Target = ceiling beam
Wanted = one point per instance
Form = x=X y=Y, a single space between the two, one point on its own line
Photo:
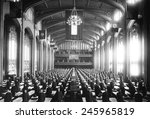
x=57 y=31
x=92 y=22
x=54 y=23
x=88 y=41
x=61 y=32
x=42 y=16
x=88 y=38
x=93 y=31
x=91 y=34
x=59 y=35
x=114 y=4
x=55 y=28
x=58 y=39
x=30 y=4
x=97 y=14
x=50 y=12
x=89 y=24
x=92 y=27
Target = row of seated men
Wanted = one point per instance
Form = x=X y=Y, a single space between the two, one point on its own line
x=42 y=84
x=107 y=83
x=87 y=84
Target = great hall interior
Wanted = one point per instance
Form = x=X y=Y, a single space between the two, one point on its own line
x=74 y=51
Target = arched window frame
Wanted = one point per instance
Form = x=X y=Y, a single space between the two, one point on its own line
x=12 y=51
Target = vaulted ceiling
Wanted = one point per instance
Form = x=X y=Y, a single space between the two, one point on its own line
x=95 y=15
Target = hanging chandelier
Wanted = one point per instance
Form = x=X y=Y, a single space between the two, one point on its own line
x=74 y=19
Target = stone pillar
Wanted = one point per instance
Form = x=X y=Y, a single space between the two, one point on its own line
x=46 y=63
x=98 y=55
x=125 y=72
x=106 y=48
x=101 y=57
x=114 y=54
x=1 y=40
x=41 y=56
x=33 y=55
x=52 y=59
x=95 y=59
x=146 y=36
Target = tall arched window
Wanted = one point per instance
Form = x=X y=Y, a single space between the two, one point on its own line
x=27 y=53
x=120 y=56
x=12 y=51
x=135 y=54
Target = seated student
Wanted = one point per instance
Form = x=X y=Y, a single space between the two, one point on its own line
x=102 y=86
x=8 y=96
x=89 y=96
x=25 y=87
x=48 y=91
x=37 y=89
x=84 y=89
x=17 y=83
x=105 y=97
x=13 y=90
x=67 y=96
x=138 y=97
x=8 y=85
x=56 y=97
x=142 y=88
x=119 y=96
x=92 y=85
x=110 y=91
x=122 y=89
x=44 y=85
x=79 y=97
x=41 y=97
x=62 y=89
x=25 y=96
x=54 y=84
x=131 y=89
x=97 y=90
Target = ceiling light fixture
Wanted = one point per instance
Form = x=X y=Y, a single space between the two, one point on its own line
x=74 y=20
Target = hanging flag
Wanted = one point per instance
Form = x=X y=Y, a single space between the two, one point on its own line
x=42 y=34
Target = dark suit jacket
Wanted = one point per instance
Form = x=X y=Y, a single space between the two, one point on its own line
x=8 y=97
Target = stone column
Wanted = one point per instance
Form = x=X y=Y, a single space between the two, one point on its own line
x=95 y=58
x=146 y=36
x=1 y=41
x=41 y=56
x=33 y=55
x=106 y=48
x=98 y=55
x=114 y=54
x=46 y=63
x=53 y=58
x=101 y=57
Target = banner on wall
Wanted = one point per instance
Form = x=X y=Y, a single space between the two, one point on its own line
x=42 y=34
